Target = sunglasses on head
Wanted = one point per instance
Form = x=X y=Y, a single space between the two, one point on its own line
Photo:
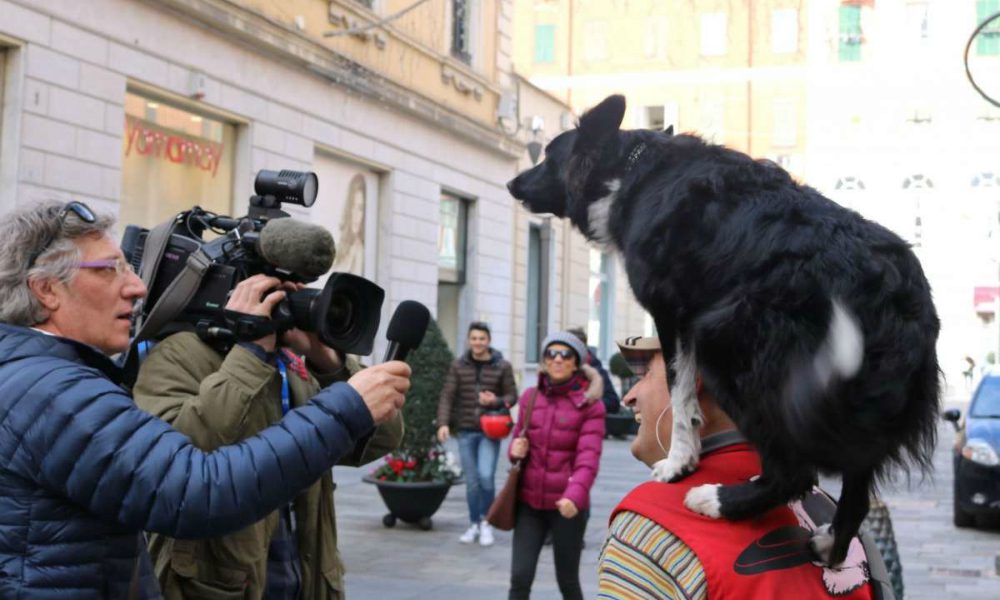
x=552 y=353
x=82 y=212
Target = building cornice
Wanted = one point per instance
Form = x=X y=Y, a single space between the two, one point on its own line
x=275 y=40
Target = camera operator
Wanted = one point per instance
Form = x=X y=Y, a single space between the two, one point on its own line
x=83 y=470
x=219 y=399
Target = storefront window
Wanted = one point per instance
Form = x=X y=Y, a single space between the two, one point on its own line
x=601 y=302
x=173 y=159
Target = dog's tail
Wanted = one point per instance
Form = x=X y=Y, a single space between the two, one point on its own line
x=837 y=360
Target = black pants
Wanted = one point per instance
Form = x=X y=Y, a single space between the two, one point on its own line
x=530 y=527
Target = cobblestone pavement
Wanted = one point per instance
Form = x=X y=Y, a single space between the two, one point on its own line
x=939 y=561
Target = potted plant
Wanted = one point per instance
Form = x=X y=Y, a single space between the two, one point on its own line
x=621 y=423
x=414 y=480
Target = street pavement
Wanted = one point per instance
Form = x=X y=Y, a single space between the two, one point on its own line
x=402 y=563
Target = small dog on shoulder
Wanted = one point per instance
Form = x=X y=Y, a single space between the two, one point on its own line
x=812 y=327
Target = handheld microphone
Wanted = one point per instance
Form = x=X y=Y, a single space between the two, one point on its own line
x=302 y=248
x=406 y=329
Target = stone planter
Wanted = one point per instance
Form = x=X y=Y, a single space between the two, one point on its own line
x=620 y=424
x=413 y=502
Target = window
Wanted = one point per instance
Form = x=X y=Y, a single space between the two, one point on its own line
x=986 y=179
x=654 y=117
x=713 y=34
x=452 y=238
x=654 y=43
x=452 y=251
x=596 y=34
x=784 y=31
x=916 y=23
x=988 y=40
x=657 y=117
x=602 y=301
x=536 y=319
x=850 y=33
x=849 y=182
x=174 y=158
x=713 y=119
x=916 y=183
x=785 y=120
x=461 y=34
x=545 y=44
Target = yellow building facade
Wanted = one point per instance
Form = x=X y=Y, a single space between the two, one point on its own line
x=730 y=70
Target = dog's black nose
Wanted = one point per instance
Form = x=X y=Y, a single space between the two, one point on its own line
x=512 y=187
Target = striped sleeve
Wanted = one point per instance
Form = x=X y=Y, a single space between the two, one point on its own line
x=641 y=559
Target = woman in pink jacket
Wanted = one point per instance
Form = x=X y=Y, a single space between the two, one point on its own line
x=561 y=455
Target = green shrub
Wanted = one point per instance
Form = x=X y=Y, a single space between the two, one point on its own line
x=420 y=456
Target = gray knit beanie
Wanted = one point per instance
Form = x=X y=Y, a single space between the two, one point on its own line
x=567 y=339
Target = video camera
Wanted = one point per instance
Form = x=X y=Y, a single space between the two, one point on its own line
x=190 y=278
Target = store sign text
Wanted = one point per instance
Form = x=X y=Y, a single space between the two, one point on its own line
x=173 y=147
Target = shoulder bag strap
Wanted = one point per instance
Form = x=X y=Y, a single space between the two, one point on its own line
x=527 y=414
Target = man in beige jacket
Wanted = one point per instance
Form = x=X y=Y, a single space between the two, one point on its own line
x=218 y=399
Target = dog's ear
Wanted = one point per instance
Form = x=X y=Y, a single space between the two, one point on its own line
x=598 y=124
x=669 y=130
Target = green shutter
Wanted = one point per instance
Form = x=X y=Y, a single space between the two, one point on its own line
x=988 y=40
x=545 y=43
x=850 y=33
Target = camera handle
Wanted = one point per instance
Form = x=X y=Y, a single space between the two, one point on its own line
x=240 y=327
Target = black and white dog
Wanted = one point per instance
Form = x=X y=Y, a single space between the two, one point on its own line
x=812 y=327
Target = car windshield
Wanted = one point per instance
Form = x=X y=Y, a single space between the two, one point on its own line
x=987 y=400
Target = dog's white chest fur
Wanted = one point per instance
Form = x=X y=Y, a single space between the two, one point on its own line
x=599 y=213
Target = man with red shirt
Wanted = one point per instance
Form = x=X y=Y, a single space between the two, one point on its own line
x=658 y=548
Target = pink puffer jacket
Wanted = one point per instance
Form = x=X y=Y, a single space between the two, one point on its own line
x=564 y=441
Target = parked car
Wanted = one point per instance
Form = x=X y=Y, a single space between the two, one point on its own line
x=977 y=454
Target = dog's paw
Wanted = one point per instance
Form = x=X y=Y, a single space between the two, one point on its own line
x=822 y=543
x=671 y=469
x=704 y=500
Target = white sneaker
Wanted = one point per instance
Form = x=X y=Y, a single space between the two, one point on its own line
x=470 y=534
x=485 y=534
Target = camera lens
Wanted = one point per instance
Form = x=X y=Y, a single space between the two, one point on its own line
x=340 y=314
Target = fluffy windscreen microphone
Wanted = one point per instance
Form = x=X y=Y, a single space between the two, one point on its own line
x=406 y=329
x=302 y=248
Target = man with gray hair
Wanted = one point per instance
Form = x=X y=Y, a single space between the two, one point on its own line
x=82 y=470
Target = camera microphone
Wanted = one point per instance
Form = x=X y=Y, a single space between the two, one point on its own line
x=302 y=248
x=406 y=329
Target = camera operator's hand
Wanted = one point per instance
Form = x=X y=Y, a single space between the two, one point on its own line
x=307 y=343
x=251 y=297
x=383 y=388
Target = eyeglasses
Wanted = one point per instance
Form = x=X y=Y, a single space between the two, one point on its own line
x=118 y=266
x=552 y=353
x=81 y=210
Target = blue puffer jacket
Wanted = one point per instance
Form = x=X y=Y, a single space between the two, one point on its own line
x=82 y=470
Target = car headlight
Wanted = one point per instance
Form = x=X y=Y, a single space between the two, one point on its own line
x=980 y=451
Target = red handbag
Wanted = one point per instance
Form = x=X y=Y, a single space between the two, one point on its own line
x=496 y=425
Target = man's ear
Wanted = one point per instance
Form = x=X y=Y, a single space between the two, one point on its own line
x=600 y=123
x=44 y=289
